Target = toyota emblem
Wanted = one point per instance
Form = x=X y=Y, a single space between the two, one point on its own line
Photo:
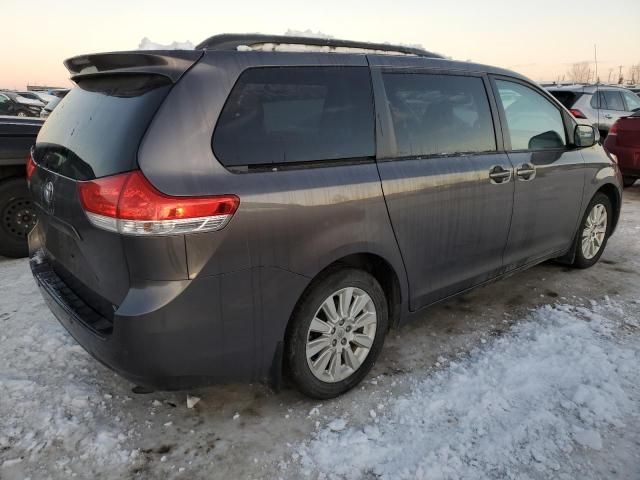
x=47 y=195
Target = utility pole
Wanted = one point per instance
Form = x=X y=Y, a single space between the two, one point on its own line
x=619 y=74
x=595 y=57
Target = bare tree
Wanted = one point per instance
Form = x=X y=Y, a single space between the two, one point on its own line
x=579 y=72
x=634 y=73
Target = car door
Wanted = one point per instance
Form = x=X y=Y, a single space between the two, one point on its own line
x=549 y=172
x=610 y=107
x=447 y=185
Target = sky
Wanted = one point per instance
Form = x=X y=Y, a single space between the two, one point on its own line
x=538 y=38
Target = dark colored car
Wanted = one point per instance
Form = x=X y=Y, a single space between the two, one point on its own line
x=14 y=105
x=624 y=142
x=17 y=217
x=231 y=212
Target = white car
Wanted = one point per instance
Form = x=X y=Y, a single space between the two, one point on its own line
x=598 y=105
x=42 y=97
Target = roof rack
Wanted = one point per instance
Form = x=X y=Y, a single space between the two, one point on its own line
x=231 y=41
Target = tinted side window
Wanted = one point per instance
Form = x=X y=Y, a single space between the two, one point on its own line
x=296 y=114
x=534 y=123
x=632 y=100
x=437 y=114
x=612 y=100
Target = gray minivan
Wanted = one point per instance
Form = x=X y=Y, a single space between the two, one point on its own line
x=263 y=204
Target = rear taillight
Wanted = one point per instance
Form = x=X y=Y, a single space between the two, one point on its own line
x=614 y=129
x=129 y=204
x=577 y=113
x=31 y=166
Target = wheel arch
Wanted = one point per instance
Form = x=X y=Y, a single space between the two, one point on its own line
x=374 y=264
x=377 y=266
x=614 y=195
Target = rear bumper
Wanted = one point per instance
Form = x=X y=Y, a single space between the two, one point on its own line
x=628 y=158
x=176 y=334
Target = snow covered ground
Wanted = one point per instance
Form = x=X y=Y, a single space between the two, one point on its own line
x=533 y=377
x=532 y=405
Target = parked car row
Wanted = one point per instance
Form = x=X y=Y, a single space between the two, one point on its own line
x=29 y=104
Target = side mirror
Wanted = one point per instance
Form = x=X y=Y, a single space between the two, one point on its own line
x=585 y=136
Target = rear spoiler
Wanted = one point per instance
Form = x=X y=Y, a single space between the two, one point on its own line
x=171 y=64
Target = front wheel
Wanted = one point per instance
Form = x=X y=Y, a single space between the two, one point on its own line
x=594 y=231
x=336 y=334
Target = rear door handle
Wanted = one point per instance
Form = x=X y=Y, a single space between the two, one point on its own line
x=606 y=115
x=499 y=175
x=526 y=172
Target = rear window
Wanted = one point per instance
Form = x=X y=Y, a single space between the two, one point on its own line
x=568 y=99
x=280 y=115
x=96 y=129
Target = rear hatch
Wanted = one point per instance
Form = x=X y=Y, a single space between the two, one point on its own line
x=567 y=98
x=94 y=133
x=629 y=131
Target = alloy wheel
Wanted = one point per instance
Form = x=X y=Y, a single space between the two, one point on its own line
x=341 y=334
x=595 y=231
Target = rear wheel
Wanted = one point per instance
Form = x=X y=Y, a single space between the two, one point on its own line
x=594 y=231
x=628 y=181
x=337 y=333
x=17 y=217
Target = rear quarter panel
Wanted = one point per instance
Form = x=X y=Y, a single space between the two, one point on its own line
x=600 y=172
x=295 y=221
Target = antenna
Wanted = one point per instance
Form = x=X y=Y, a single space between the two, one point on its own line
x=595 y=57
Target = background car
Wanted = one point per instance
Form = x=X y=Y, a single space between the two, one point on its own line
x=48 y=108
x=598 y=105
x=13 y=104
x=624 y=142
x=37 y=96
x=17 y=216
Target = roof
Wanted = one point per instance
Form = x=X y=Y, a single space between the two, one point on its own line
x=585 y=88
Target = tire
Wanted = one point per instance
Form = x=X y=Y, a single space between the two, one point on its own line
x=22 y=113
x=17 y=217
x=628 y=181
x=338 y=375
x=585 y=257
